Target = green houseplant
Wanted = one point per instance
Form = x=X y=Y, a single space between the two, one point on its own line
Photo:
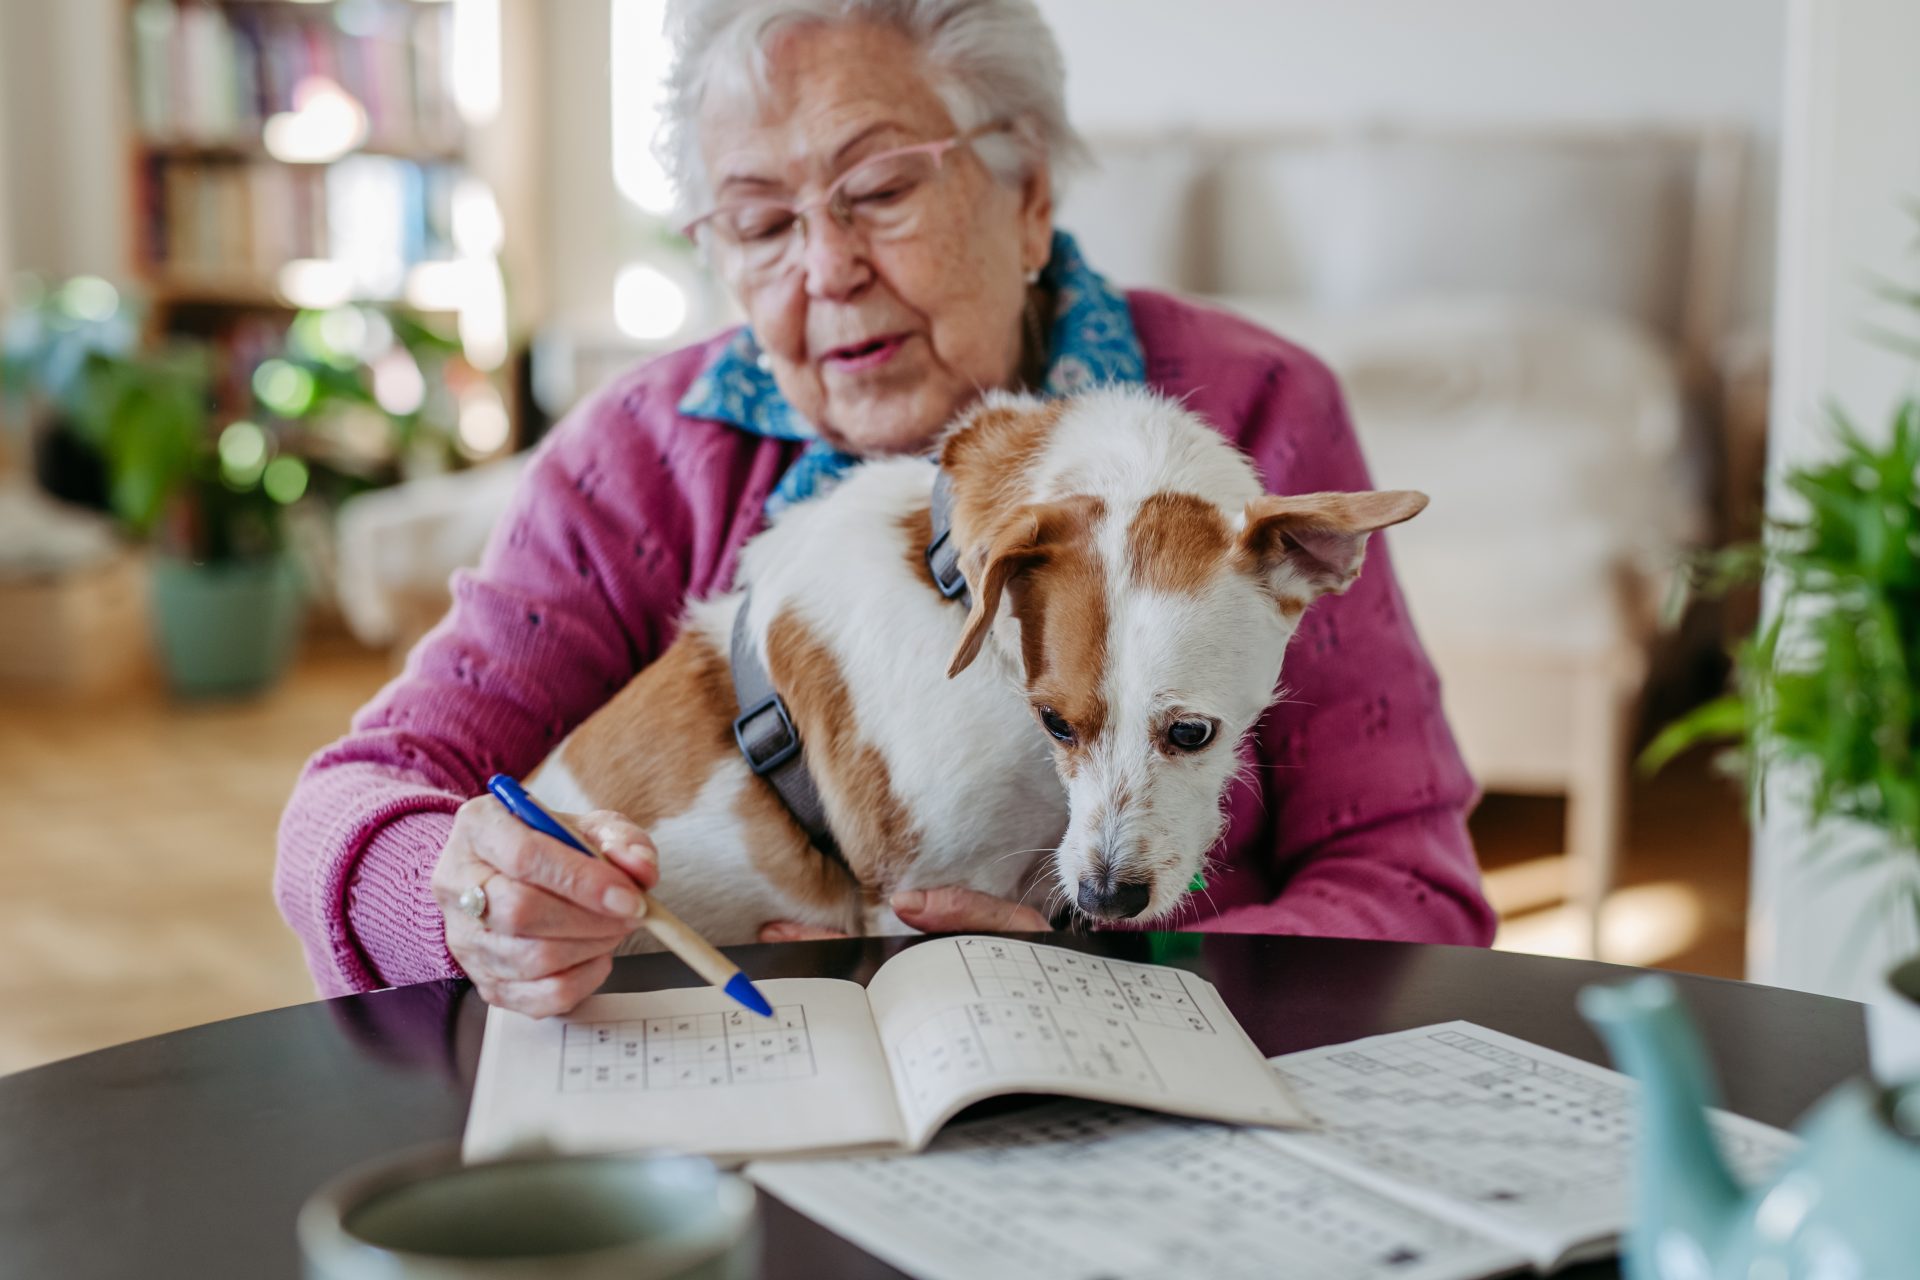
x=226 y=593
x=207 y=492
x=372 y=395
x=1826 y=693
x=1831 y=681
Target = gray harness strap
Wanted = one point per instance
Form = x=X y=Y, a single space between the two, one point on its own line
x=765 y=735
x=943 y=553
x=764 y=731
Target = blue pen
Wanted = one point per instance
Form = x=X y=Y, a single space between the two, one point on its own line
x=676 y=934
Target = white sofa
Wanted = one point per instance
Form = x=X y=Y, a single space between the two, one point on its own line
x=1525 y=327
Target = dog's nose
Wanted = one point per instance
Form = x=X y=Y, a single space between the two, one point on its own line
x=1106 y=898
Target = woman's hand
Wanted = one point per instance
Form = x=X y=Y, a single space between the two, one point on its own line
x=945 y=910
x=553 y=917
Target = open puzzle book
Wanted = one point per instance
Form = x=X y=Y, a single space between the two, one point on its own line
x=842 y=1068
x=1448 y=1152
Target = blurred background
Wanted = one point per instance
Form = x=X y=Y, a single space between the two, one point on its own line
x=287 y=289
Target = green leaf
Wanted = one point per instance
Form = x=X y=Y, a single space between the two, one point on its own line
x=1725 y=717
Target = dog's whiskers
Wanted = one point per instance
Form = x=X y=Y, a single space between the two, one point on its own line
x=1047 y=915
x=1016 y=853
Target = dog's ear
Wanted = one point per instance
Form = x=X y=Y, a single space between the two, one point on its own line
x=1307 y=545
x=1014 y=548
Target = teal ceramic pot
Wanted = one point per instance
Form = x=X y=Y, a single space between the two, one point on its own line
x=225 y=630
x=1840 y=1208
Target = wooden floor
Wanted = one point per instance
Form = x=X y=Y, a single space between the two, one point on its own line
x=137 y=856
x=135 y=881
x=1681 y=902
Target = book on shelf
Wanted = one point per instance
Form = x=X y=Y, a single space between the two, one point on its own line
x=212 y=74
x=242 y=220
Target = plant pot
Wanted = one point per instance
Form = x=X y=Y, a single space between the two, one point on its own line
x=225 y=630
x=1893 y=1025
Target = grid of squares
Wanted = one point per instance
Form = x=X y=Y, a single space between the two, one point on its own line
x=995 y=1036
x=1529 y=1136
x=691 y=1051
x=1080 y=1191
x=1116 y=988
x=1479 y=1121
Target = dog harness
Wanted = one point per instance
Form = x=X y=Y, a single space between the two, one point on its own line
x=764 y=731
x=943 y=553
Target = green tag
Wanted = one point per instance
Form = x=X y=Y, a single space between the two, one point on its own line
x=1198 y=882
x=1172 y=948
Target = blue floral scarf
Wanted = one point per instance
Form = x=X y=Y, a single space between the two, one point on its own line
x=1092 y=342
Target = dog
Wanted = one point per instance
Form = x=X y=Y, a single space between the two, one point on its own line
x=1133 y=592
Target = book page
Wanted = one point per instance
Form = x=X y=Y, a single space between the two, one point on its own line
x=687 y=1069
x=1074 y=1189
x=963 y=1019
x=1519 y=1142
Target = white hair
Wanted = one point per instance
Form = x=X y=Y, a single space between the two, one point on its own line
x=988 y=60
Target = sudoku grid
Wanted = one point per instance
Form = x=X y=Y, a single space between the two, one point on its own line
x=1108 y=1192
x=990 y=1037
x=690 y=1051
x=1115 y=988
x=1475 y=1119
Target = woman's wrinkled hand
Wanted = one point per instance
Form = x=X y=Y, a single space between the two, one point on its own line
x=553 y=917
x=950 y=909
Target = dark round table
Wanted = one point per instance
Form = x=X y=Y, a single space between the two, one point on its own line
x=189 y=1154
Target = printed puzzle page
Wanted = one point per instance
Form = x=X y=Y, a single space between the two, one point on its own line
x=967 y=1018
x=1517 y=1141
x=1086 y=1191
x=1448 y=1152
x=687 y=1069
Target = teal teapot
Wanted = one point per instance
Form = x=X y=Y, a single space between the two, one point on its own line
x=1845 y=1206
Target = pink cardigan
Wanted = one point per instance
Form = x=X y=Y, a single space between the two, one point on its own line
x=1353 y=824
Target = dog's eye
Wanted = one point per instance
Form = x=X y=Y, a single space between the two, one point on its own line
x=1190 y=735
x=1056 y=726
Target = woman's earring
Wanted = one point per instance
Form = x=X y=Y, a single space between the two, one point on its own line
x=1033 y=276
x=765 y=362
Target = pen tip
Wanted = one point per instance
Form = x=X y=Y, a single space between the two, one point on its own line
x=744 y=991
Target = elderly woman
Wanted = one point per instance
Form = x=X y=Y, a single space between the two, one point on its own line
x=877 y=180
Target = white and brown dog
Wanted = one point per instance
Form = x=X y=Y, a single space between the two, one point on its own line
x=1133 y=591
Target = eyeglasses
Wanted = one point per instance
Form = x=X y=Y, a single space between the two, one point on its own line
x=884 y=197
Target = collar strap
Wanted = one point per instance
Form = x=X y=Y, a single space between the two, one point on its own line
x=766 y=736
x=943 y=553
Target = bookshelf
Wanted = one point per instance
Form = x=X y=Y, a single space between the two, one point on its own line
x=269 y=133
x=288 y=154
x=285 y=155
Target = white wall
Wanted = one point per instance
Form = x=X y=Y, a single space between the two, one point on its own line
x=6 y=187
x=1237 y=63
x=1135 y=64
x=583 y=208
x=1850 y=160
x=62 y=77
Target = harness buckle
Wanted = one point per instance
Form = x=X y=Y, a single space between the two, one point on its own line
x=773 y=750
x=949 y=581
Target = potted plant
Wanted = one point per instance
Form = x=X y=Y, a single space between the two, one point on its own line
x=1826 y=696
x=226 y=593
x=207 y=489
